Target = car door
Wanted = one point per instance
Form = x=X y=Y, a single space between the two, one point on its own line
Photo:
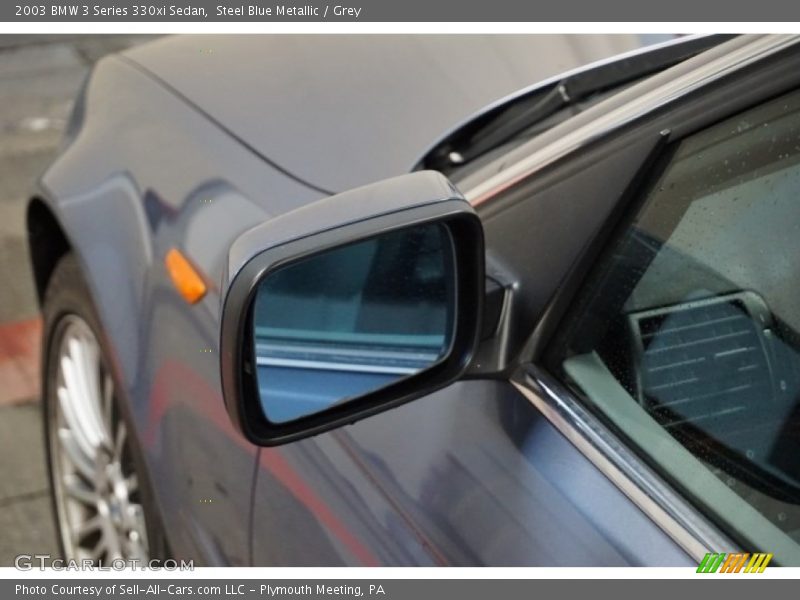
x=536 y=470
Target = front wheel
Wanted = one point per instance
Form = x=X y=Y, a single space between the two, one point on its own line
x=96 y=485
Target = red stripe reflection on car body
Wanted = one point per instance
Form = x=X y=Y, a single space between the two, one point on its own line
x=275 y=463
x=211 y=406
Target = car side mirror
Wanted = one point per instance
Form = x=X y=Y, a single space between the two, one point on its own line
x=350 y=306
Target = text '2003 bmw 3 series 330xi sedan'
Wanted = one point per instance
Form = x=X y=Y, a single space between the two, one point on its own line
x=295 y=314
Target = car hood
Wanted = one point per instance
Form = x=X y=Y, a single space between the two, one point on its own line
x=342 y=111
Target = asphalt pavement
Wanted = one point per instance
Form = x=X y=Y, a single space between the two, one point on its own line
x=39 y=78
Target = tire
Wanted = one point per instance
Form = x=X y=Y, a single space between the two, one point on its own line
x=102 y=500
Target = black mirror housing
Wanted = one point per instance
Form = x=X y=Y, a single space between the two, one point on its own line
x=411 y=200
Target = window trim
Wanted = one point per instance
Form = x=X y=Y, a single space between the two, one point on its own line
x=630 y=112
x=657 y=498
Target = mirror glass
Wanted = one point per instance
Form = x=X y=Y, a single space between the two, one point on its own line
x=353 y=319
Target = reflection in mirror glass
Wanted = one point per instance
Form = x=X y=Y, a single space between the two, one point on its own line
x=351 y=320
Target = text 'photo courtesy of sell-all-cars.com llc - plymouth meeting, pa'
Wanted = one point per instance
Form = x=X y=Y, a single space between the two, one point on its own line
x=563 y=332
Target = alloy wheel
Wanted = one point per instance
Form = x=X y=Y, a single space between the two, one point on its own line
x=96 y=489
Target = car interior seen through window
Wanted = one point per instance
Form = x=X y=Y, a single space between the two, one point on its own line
x=687 y=335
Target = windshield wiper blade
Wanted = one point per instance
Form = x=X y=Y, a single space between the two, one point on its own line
x=506 y=122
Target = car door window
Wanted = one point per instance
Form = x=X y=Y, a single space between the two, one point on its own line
x=686 y=336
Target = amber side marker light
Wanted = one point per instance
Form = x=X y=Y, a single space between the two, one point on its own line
x=186 y=280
